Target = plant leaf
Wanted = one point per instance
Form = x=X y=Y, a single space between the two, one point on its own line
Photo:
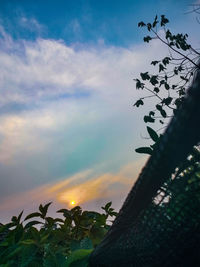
x=78 y=256
x=144 y=150
x=154 y=136
x=32 y=215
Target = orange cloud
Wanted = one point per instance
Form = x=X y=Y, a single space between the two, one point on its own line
x=107 y=185
x=81 y=188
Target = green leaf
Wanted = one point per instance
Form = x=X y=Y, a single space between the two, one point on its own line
x=35 y=233
x=85 y=243
x=54 y=260
x=63 y=211
x=30 y=224
x=144 y=150
x=28 y=242
x=58 y=220
x=43 y=209
x=19 y=217
x=18 y=232
x=14 y=252
x=78 y=256
x=14 y=219
x=32 y=215
x=97 y=234
x=113 y=213
x=107 y=206
x=28 y=255
x=154 y=136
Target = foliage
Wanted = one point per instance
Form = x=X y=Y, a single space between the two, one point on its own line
x=173 y=75
x=40 y=240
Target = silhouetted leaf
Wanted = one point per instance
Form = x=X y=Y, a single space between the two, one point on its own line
x=148 y=119
x=163 y=113
x=167 y=86
x=161 y=67
x=147 y=39
x=144 y=150
x=154 y=136
x=141 y=24
x=138 y=103
x=145 y=76
x=155 y=21
x=154 y=62
x=149 y=26
x=32 y=223
x=154 y=80
x=32 y=215
x=167 y=101
x=156 y=89
x=166 y=60
x=164 y=20
x=139 y=84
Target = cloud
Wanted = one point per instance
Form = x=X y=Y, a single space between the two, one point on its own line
x=54 y=85
x=67 y=109
x=32 y=71
x=31 y=24
x=85 y=188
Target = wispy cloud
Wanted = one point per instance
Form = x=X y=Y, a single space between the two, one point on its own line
x=66 y=109
x=84 y=188
x=31 y=24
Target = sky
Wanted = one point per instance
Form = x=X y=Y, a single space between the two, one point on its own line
x=68 y=128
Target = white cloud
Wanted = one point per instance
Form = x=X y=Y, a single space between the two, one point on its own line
x=75 y=108
x=47 y=68
x=31 y=24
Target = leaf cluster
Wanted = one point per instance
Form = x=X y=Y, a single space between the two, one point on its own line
x=40 y=240
x=167 y=86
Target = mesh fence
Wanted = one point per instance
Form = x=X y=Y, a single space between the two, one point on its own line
x=159 y=223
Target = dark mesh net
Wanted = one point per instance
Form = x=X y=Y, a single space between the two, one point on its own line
x=159 y=223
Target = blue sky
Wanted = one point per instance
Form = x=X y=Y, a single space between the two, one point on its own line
x=67 y=126
x=113 y=21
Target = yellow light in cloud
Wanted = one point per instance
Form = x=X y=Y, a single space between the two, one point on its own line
x=72 y=202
